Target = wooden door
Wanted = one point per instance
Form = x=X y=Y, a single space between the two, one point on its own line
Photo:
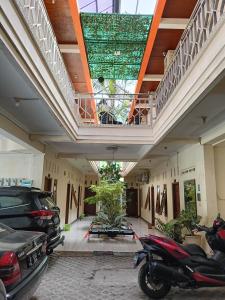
x=67 y=203
x=89 y=209
x=132 y=202
x=176 y=199
x=153 y=205
x=48 y=184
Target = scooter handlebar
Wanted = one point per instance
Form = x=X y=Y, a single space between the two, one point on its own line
x=202 y=228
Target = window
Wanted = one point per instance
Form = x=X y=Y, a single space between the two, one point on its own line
x=46 y=202
x=12 y=201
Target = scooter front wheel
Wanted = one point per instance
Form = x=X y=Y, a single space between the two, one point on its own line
x=152 y=287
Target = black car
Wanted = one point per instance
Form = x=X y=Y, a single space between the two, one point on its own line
x=23 y=261
x=24 y=208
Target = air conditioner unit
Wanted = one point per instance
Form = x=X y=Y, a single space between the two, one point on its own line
x=168 y=59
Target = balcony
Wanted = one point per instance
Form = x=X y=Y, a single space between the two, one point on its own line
x=201 y=44
x=204 y=22
x=105 y=110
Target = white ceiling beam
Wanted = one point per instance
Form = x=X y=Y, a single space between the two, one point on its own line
x=49 y=138
x=153 y=77
x=181 y=141
x=69 y=48
x=70 y=155
x=173 y=23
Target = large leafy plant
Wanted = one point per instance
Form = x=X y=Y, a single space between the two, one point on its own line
x=109 y=196
x=110 y=172
x=178 y=228
x=189 y=218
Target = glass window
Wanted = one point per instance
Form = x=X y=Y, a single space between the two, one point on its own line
x=47 y=202
x=12 y=201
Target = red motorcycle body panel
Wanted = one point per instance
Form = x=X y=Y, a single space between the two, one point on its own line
x=169 y=245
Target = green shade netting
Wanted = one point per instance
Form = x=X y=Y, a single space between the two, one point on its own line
x=115 y=44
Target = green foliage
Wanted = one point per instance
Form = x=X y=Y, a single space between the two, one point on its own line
x=109 y=196
x=189 y=217
x=183 y=225
x=115 y=44
x=172 y=229
x=112 y=86
x=82 y=215
x=110 y=172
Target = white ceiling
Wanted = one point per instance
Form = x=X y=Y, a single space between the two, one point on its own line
x=102 y=151
x=207 y=114
x=32 y=115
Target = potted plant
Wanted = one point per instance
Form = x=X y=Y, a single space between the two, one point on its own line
x=109 y=196
x=172 y=229
x=181 y=229
x=189 y=218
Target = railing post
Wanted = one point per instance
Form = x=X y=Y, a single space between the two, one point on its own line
x=152 y=111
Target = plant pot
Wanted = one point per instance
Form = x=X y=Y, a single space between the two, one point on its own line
x=193 y=239
x=66 y=227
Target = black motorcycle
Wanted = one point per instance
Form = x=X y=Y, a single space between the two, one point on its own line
x=171 y=264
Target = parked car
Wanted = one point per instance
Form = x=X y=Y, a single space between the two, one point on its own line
x=2 y=291
x=24 y=208
x=23 y=261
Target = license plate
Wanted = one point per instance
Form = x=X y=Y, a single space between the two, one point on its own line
x=33 y=258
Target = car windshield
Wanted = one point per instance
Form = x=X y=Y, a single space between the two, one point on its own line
x=46 y=202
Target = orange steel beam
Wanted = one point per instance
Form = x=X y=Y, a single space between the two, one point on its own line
x=75 y=14
x=160 y=5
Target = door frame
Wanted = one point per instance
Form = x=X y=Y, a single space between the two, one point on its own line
x=136 y=201
x=176 y=202
x=153 y=204
x=78 y=196
x=67 y=203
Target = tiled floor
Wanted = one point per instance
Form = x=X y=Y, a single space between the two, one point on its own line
x=104 y=278
x=75 y=239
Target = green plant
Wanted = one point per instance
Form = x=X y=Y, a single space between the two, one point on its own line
x=178 y=228
x=82 y=215
x=110 y=172
x=172 y=229
x=109 y=196
x=189 y=218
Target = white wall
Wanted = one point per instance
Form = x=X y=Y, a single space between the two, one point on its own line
x=220 y=178
x=65 y=173
x=192 y=162
x=20 y=165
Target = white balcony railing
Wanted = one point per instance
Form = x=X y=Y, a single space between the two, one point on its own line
x=205 y=17
x=36 y=18
x=113 y=110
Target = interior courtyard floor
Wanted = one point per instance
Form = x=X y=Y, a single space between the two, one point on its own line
x=76 y=239
x=104 y=277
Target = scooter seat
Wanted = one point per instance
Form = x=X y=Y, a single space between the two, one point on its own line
x=194 y=250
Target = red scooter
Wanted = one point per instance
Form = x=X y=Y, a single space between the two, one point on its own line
x=171 y=264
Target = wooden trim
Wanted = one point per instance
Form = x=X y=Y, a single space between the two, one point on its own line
x=75 y=14
x=160 y=5
x=150 y=42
